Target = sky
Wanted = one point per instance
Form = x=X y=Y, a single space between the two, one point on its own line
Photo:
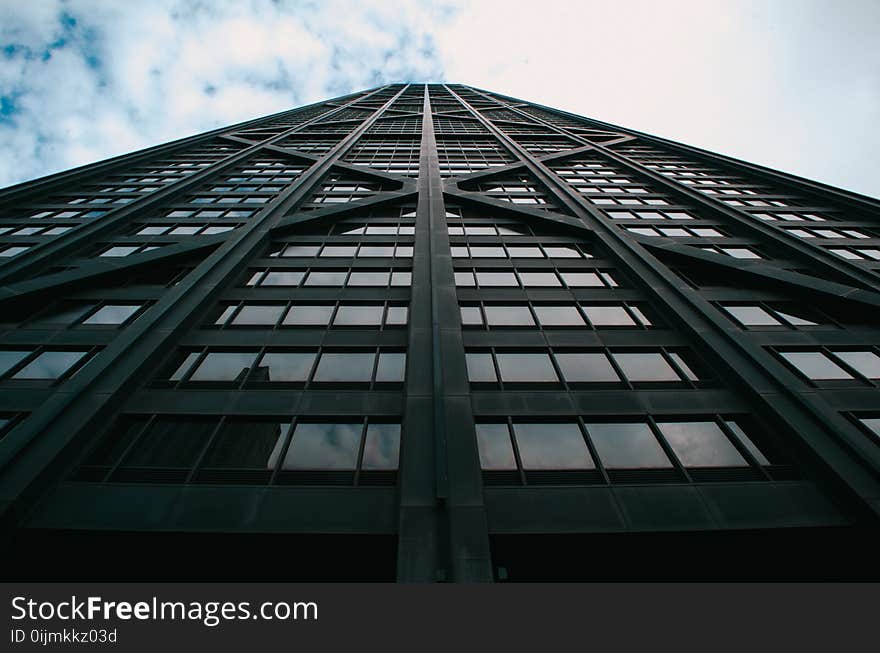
x=790 y=84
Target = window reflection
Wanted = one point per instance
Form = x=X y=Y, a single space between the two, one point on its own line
x=701 y=444
x=552 y=446
x=627 y=445
x=495 y=448
x=247 y=445
x=381 y=446
x=50 y=365
x=324 y=446
x=284 y=367
x=224 y=366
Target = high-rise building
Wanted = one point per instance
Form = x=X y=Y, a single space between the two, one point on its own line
x=428 y=333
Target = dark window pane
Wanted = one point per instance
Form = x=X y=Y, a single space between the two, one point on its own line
x=480 y=368
x=113 y=445
x=172 y=442
x=67 y=314
x=284 y=367
x=645 y=367
x=9 y=359
x=50 y=365
x=345 y=367
x=308 y=315
x=526 y=368
x=324 y=446
x=559 y=316
x=747 y=442
x=627 y=445
x=552 y=446
x=224 y=366
x=701 y=444
x=184 y=366
x=381 y=447
x=493 y=443
x=391 y=367
x=586 y=368
x=247 y=445
x=509 y=316
x=359 y=315
x=291 y=278
x=112 y=314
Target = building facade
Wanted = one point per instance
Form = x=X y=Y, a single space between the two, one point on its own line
x=433 y=333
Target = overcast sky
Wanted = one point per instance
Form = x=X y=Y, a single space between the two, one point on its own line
x=794 y=85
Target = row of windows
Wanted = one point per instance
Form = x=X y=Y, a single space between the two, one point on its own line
x=578 y=367
x=297 y=314
x=534 y=279
x=830 y=233
x=287 y=366
x=521 y=251
x=677 y=232
x=695 y=442
x=595 y=316
x=209 y=214
x=365 y=250
x=510 y=229
x=834 y=365
x=765 y=315
x=347 y=229
x=87 y=314
x=650 y=215
x=183 y=230
x=228 y=444
x=18 y=230
x=857 y=253
x=353 y=277
x=41 y=364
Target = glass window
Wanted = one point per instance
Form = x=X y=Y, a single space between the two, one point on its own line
x=815 y=365
x=872 y=424
x=496 y=450
x=464 y=279
x=287 y=278
x=509 y=316
x=359 y=315
x=391 y=367
x=254 y=315
x=396 y=316
x=496 y=279
x=471 y=315
x=224 y=366
x=608 y=316
x=562 y=252
x=752 y=316
x=586 y=368
x=64 y=314
x=376 y=250
x=50 y=365
x=539 y=279
x=526 y=368
x=627 y=445
x=381 y=446
x=795 y=316
x=480 y=368
x=582 y=279
x=368 y=278
x=284 y=366
x=9 y=359
x=119 y=251
x=338 y=250
x=701 y=444
x=559 y=316
x=487 y=252
x=324 y=446
x=866 y=363
x=112 y=314
x=552 y=446
x=747 y=442
x=170 y=442
x=328 y=279
x=247 y=445
x=300 y=250
x=348 y=367
x=305 y=315
x=643 y=366
x=401 y=278
x=525 y=252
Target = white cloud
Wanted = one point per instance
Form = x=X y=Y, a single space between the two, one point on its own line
x=788 y=84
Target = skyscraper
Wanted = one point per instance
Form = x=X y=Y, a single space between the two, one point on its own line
x=433 y=333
